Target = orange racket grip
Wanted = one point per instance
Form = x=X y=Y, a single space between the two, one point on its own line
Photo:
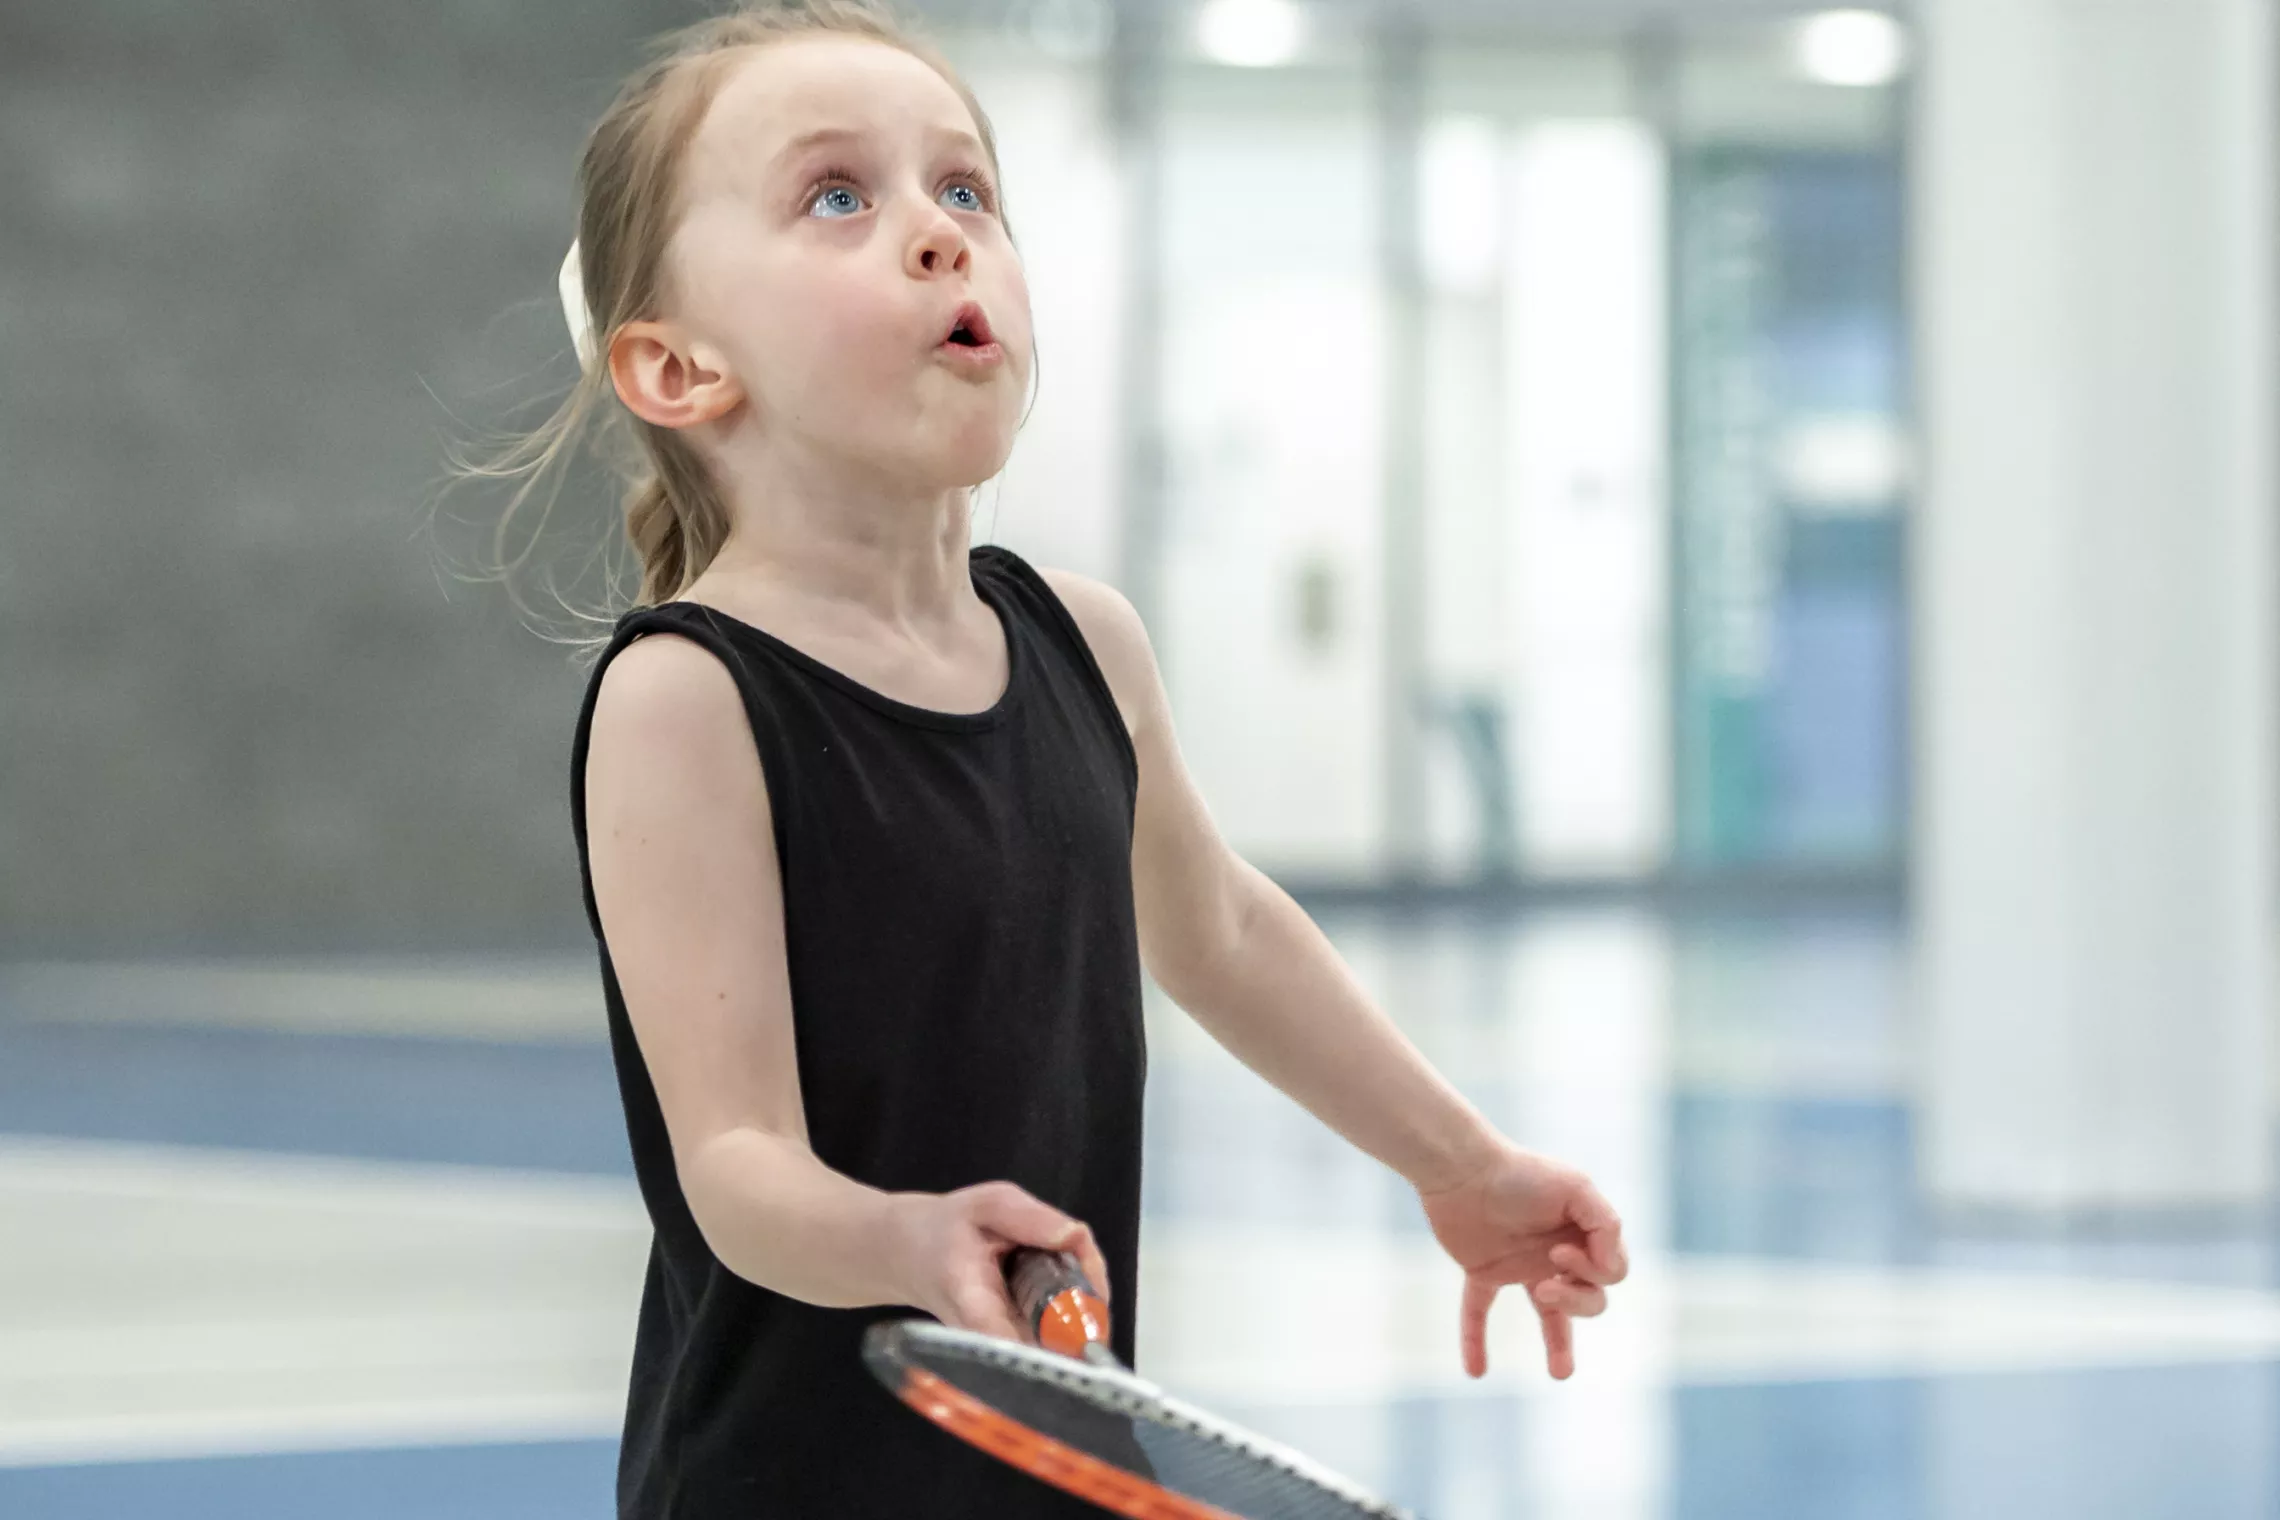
x=1057 y=1302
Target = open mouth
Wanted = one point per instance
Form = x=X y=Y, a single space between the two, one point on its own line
x=970 y=328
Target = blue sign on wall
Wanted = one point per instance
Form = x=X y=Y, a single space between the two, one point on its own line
x=1791 y=470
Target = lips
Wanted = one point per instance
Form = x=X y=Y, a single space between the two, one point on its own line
x=970 y=328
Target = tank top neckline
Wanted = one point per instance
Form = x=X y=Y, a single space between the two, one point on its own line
x=1016 y=662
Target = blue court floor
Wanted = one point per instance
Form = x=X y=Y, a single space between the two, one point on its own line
x=307 y=1246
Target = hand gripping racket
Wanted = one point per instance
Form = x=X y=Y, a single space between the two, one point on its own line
x=1067 y=1411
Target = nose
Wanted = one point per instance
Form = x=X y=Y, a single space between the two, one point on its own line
x=939 y=248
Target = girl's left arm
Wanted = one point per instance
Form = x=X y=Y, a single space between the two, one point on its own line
x=1254 y=970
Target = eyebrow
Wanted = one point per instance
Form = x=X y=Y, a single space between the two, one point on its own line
x=822 y=135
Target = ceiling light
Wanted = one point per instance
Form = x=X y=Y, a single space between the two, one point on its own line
x=1252 y=34
x=1460 y=196
x=1860 y=48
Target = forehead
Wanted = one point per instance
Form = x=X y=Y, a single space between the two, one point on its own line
x=777 y=94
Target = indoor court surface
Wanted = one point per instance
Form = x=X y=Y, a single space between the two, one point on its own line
x=360 y=1242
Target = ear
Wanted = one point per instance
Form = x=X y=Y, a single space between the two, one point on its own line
x=665 y=379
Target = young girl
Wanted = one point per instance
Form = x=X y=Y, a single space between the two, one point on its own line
x=878 y=829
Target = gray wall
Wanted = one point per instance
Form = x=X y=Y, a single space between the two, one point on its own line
x=241 y=242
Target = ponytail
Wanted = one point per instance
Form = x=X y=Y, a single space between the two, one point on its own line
x=674 y=517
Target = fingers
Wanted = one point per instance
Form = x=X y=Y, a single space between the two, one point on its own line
x=1603 y=1233
x=1607 y=1250
x=981 y=1304
x=1559 y=1302
x=1095 y=1264
x=1581 y=1265
x=1010 y=1212
x=1472 y=1324
x=1583 y=1300
x=1559 y=1343
x=1590 y=1209
x=1006 y=1210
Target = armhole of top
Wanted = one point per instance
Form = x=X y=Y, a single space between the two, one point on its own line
x=1026 y=573
x=707 y=635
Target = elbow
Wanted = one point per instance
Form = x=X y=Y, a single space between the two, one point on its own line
x=1203 y=954
x=703 y=1173
x=724 y=1179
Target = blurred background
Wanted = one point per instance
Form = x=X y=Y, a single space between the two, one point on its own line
x=1724 y=550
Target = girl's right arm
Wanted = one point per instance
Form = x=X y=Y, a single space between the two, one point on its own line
x=682 y=849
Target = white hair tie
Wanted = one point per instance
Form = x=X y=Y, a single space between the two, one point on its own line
x=574 y=312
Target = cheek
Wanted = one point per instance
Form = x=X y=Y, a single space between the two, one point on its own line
x=823 y=335
x=1022 y=327
x=1021 y=351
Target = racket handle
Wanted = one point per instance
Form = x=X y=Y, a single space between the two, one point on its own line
x=1057 y=1302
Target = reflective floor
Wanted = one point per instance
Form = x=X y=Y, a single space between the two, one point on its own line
x=360 y=1241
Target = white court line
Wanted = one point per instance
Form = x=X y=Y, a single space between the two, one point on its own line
x=556 y=999
x=169 y=1302
x=431 y=1420
x=1678 y=1321
x=38 y=1164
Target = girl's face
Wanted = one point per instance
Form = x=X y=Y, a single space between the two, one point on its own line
x=839 y=214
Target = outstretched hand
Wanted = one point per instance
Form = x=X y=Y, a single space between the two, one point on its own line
x=1525 y=1219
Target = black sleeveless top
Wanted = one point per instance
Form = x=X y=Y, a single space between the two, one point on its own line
x=965 y=982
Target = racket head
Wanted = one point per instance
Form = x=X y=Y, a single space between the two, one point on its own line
x=1102 y=1433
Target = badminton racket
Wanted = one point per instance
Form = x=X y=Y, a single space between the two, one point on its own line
x=1067 y=1411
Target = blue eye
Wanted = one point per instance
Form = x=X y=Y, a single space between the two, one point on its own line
x=835 y=195
x=836 y=201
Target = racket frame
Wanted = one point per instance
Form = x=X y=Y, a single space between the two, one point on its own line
x=888 y=1348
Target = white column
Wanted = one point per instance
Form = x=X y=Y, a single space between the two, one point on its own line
x=1586 y=352
x=2095 y=630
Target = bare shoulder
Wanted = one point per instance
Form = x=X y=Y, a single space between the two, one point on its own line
x=1119 y=643
x=667 y=704
x=1112 y=626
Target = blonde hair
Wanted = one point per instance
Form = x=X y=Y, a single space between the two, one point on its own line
x=675 y=519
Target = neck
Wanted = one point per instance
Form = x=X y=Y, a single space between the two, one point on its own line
x=807 y=532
